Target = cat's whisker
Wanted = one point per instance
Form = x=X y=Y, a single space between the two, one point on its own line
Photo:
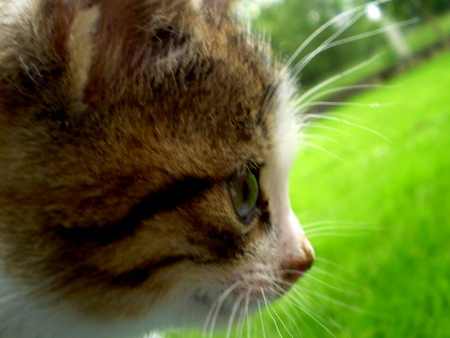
x=349 y=88
x=326 y=323
x=277 y=315
x=270 y=313
x=320 y=271
x=244 y=313
x=333 y=264
x=234 y=310
x=322 y=138
x=316 y=89
x=344 y=230
x=359 y=229
x=261 y=319
x=335 y=301
x=247 y=303
x=353 y=38
x=328 y=43
x=334 y=118
x=344 y=104
x=334 y=235
x=314 y=316
x=313 y=124
x=324 y=45
x=315 y=146
x=306 y=292
x=292 y=320
x=360 y=117
x=39 y=287
x=307 y=226
x=210 y=321
x=332 y=287
x=322 y=28
x=374 y=32
x=337 y=226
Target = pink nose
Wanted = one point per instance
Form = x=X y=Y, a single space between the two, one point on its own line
x=295 y=269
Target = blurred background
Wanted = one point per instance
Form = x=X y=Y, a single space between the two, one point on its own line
x=401 y=31
x=371 y=184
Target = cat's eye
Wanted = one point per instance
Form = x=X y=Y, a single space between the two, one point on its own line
x=244 y=191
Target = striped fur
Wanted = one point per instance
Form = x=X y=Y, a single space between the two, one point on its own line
x=120 y=125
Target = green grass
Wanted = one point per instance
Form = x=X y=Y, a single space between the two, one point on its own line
x=397 y=195
x=383 y=269
x=419 y=37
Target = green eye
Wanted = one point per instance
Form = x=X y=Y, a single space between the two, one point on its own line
x=244 y=193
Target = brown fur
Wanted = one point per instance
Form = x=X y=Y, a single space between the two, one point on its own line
x=103 y=106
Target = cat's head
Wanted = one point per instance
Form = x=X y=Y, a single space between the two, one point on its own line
x=145 y=148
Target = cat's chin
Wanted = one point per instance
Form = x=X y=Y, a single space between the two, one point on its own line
x=208 y=308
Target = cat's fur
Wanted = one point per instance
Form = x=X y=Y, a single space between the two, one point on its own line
x=121 y=123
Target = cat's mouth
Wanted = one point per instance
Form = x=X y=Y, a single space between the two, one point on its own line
x=248 y=292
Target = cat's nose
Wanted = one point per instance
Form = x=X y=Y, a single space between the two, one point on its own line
x=294 y=269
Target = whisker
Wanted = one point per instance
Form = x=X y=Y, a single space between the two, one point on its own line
x=286 y=312
x=215 y=308
x=334 y=118
x=353 y=38
x=315 y=146
x=39 y=286
x=324 y=138
x=336 y=301
x=323 y=27
x=234 y=310
x=332 y=79
x=314 y=316
x=261 y=319
x=338 y=230
x=334 y=264
x=373 y=32
x=312 y=124
x=342 y=227
x=323 y=46
x=322 y=296
x=344 y=104
x=279 y=318
x=335 y=288
x=247 y=302
x=331 y=222
x=318 y=270
x=341 y=89
x=334 y=235
x=244 y=313
x=270 y=314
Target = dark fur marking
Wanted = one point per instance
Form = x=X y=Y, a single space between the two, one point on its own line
x=175 y=195
x=139 y=275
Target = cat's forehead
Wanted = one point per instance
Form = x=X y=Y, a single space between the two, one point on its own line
x=207 y=98
x=146 y=87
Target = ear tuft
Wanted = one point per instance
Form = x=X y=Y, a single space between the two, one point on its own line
x=135 y=39
x=74 y=28
x=46 y=47
x=221 y=6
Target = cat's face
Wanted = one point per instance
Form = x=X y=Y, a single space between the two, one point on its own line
x=145 y=148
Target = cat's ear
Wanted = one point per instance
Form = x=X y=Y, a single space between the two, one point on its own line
x=222 y=6
x=46 y=46
x=141 y=41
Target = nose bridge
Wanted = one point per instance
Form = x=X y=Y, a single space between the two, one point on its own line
x=296 y=252
x=292 y=233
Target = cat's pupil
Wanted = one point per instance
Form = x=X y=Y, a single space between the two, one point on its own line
x=244 y=191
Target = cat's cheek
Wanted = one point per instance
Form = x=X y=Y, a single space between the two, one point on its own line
x=278 y=259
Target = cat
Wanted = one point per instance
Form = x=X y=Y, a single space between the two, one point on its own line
x=145 y=147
